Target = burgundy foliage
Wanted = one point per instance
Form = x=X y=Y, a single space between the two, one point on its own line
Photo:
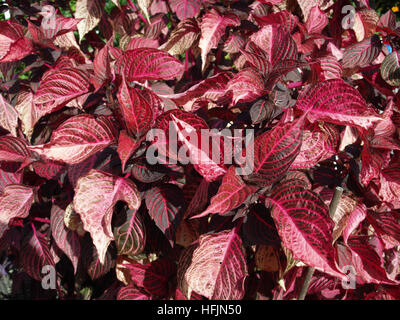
x=83 y=95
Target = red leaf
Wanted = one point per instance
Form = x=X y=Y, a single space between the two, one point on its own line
x=212 y=27
x=274 y=152
x=209 y=162
x=231 y=194
x=102 y=67
x=304 y=225
x=388 y=20
x=136 y=111
x=386 y=226
x=126 y=147
x=141 y=42
x=283 y=17
x=390 y=186
x=337 y=102
x=15 y=202
x=77 y=139
x=164 y=205
x=66 y=239
x=145 y=174
x=210 y=89
x=92 y=263
x=13 y=45
x=57 y=88
x=328 y=68
x=182 y=37
x=153 y=277
x=148 y=64
x=14 y=149
x=9 y=174
x=132 y=293
x=372 y=162
x=35 y=254
x=48 y=169
x=367 y=262
x=96 y=210
x=215 y=269
x=277 y=42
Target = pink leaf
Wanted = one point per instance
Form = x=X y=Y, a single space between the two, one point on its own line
x=212 y=27
x=185 y=8
x=215 y=269
x=319 y=143
x=210 y=89
x=13 y=45
x=277 y=42
x=96 y=210
x=231 y=194
x=130 y=234
x=9 y=174
x=142 y=42
x=337 y=102
x=136 y=111
x=15 y=202
x=57 y=88
x=14 y=149
x=8 y=116
x=246 y=86
x=390 y=185
x=209 y=162
x=362 y=53
x=78 y=138
x=317 y=21
x=132 y=293
x=304 y=225
x=148 y=64
x=349 y=214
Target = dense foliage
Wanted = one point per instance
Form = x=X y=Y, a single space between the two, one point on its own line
x=82 y=204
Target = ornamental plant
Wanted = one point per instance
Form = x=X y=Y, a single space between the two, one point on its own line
x=107 y=193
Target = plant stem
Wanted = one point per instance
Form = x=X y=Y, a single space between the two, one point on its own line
x=310 y=271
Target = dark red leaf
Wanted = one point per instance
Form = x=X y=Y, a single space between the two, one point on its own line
x=274 y=153
x=153 y=277
x=35 y=254
x=164 y=205
x=66 y=239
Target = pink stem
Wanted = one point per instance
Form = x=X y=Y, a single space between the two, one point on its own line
x=37 y=219
x=138 y=12
x=294 y=84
